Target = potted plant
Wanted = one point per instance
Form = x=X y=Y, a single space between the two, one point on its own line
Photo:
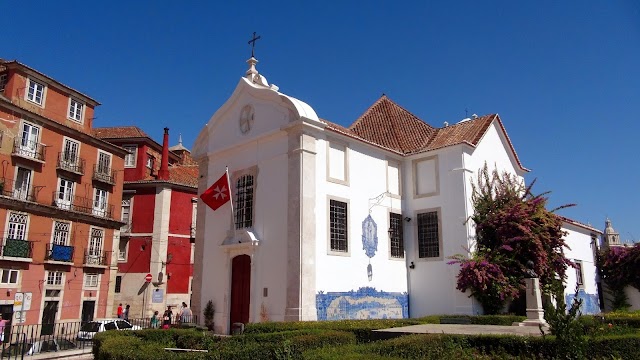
x=209 y=311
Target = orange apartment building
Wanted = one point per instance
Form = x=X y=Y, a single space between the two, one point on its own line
x=60 y=202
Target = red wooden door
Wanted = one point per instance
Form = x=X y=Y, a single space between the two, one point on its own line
x=240 y=285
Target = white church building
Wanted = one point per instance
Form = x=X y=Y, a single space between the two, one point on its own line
x=331 y=222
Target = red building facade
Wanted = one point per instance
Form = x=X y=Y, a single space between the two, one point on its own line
x=158 y=208
x=58 y=192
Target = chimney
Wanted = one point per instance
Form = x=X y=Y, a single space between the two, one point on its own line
x=163 y=173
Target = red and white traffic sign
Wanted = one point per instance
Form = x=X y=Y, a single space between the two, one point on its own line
x=148 y=278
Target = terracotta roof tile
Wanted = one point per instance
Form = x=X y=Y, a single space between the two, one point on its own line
x=390 y=125
x=119 y=132
x=186 y=175
x=469 y=131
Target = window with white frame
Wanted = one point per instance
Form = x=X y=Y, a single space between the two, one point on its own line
x=61 y=233
x=75 y=110
x=3 y=81
x=71 y=152
x=9 y=276
x=122 y=250
x=150 y=161
x=100 y=202
x=17 y=228
x=338 y=226
x=579 y=273
x=54 y=278
x=125 y=214
x=91 y=280
x=104 y=163
x=65 y=194
x=428 y=235
x=35 y=92
x=95 y=242
x=22 y=186
x=29 y=146
x=396 y=238
x=130 y=158
x=244 y=202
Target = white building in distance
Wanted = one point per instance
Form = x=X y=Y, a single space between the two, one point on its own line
x=342 y=223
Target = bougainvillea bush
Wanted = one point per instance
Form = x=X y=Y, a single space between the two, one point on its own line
x=513 y=229
x=619 y=268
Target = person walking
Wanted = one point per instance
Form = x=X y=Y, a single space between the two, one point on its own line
x=125 y=313
x=185 y=314
x=166 y=318
x=120 y=311
x=155 y=320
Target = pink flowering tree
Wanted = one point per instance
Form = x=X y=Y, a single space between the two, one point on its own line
x=513 y=228
x=619 y=268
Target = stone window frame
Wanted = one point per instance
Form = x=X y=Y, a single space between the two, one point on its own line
x=44 y=92
x=438 y=211
x=234 y=177
x=345 y=145
x=391 y=211
x=414 y=169
x=330 y=251
x=579 y=273
x=79 y=104
x=134 y=153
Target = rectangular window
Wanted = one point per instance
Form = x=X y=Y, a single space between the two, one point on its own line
x=579 y=273
x=65 y=194
x=118 y=284
x=75 y=110
x=428 y=236
x=3 y=81
x=104 y=163
x=338 y=232
x=122 y=250
x=17 y=228
x=22 y=187
x=61 y=233
x=244 y=202
x=125 y=215
x=9 y=276
x=396 y=238
x=35 y=92
x=100 y=202
x=91 y=280
x=95 y=242
x=54 y=278
x=150 y=161
x=29 y=141
x=130 y=158
x=71 y=152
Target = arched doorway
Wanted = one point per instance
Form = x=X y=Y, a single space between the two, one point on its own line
x=240 y=289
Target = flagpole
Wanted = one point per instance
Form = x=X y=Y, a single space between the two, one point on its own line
x=233 y=223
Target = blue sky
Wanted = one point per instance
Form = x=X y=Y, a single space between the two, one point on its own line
x=563 y=75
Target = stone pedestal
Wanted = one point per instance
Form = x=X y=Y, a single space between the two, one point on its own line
x=535 y=312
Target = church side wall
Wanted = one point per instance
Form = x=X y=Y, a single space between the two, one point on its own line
x=351 y=284
x=579 y=241
x=432 y=280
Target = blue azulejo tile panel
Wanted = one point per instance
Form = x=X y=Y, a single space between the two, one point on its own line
x=364 y=303
x=590 y=303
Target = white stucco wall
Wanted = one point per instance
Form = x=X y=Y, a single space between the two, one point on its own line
x=581 y=248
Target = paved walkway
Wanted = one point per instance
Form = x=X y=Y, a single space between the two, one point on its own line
x=460 y=329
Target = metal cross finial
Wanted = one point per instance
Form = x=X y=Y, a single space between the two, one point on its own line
x=253 y=43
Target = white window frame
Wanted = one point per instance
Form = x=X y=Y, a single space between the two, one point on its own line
x=32 y=99
x=66 y=202
x=55 y=231
x=9 y=283
x=100 y=165
x=25 y=226
x=54 y=278
x=76 y=110
x=29 y=145
x=151 y=160
x=579 y=273
x=349 y=235
x=69 y=158
x=94 y=246
x=122 y=255
x=91 y=280
x=23 y=192
x=100 y=203
x=130 y=155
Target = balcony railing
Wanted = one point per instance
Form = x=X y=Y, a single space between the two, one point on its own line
x=82 y=204
x=68 y=163
x=104 y=174
x=28 y=149
x=125 y=229
x=57 y=252
x=20 y=192
x=17 y=248
x=96 y=258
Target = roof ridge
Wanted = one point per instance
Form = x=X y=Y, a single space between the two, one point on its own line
x=369 y=109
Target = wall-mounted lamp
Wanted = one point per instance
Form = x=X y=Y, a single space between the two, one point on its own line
x=412 y=265
x=407 y=219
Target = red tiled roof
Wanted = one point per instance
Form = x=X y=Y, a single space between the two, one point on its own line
x=388 y=125
x=119 y=132
x=184 y=174
x=579 y=224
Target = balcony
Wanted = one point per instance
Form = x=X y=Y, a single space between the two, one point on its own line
x=22 y=192
x=17 y=249
x=28 y=149
x=59 y=253
x=104 y=174
x=96 y=259
x=70 y=164
x=125 y=229
x=82 y=204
